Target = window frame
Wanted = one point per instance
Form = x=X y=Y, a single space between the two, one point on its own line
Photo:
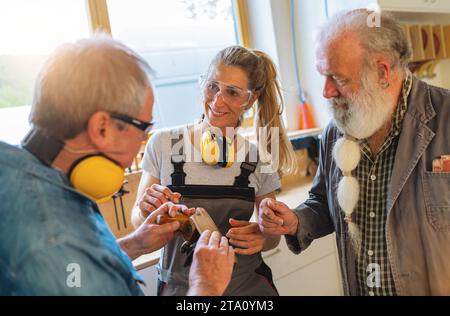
x=99 y=20
x=98 y=16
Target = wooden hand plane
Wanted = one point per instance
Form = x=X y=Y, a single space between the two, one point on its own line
x=191 y=227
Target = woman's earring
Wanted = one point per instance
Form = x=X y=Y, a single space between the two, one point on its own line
x=385 y=85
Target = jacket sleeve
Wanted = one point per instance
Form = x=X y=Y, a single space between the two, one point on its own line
x=66 y=269
x=314 y=219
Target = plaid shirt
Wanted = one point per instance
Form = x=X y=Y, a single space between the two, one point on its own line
x=374 y=176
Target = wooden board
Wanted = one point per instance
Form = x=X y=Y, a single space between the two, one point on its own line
x=416 y=42
x=446 y=30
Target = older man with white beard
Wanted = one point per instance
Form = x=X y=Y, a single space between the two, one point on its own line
x=375 y=186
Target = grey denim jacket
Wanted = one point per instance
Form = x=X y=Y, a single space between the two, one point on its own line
x=418 y=220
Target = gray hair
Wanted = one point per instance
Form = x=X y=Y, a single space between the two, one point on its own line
x=81 y=78
x=387 y=38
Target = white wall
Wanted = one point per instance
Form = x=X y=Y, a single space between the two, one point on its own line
x=264 y=37
x=269 y=22
x=271 y=32
x=282 y=29
x=425 y=12
x=310 y=15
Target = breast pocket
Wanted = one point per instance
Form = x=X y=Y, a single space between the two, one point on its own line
x=436 y=188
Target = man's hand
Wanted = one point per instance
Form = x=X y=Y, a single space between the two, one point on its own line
x=212 y=265
x=276 y=218
x=149 y=236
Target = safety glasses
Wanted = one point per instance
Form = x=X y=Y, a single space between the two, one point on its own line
x=146 y=127
x=231 y=95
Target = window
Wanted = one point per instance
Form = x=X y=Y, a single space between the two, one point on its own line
x=178 y=38
x=30 y=30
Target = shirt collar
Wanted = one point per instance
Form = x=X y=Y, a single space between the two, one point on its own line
x=403 y=104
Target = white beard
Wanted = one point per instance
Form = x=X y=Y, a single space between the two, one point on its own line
x=361 y=114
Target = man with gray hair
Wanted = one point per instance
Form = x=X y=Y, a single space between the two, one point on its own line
x=92 y=108
x=375 y=185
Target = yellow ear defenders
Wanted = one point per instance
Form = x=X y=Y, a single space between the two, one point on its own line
x=217 y=150
x=97 y=176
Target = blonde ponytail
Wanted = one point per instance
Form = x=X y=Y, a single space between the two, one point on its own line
x=270 y=108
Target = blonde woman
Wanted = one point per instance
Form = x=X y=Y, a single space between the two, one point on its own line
x=229 y=190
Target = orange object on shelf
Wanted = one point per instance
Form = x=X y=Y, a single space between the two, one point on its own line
x=306 y=120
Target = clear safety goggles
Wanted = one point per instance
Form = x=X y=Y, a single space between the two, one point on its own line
x=231 y=95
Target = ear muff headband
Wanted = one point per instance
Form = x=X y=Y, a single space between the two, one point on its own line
x=41 y=145
x=97 y=176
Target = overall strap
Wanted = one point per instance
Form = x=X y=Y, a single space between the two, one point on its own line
x=247 y=168
x=178 y=159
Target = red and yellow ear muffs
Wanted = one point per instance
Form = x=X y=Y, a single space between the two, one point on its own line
x=217 y=150
x=97 y=176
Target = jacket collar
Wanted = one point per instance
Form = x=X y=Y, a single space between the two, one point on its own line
x=419 y=101
x=21 y=159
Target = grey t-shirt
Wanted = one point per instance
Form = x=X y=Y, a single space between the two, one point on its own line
x=157 y=162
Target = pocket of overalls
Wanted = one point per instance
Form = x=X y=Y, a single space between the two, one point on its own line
x=436 y=191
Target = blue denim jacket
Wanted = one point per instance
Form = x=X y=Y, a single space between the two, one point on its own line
x=53 y=240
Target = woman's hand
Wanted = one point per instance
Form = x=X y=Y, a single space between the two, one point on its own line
x=155 y=196
x=245 y=237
